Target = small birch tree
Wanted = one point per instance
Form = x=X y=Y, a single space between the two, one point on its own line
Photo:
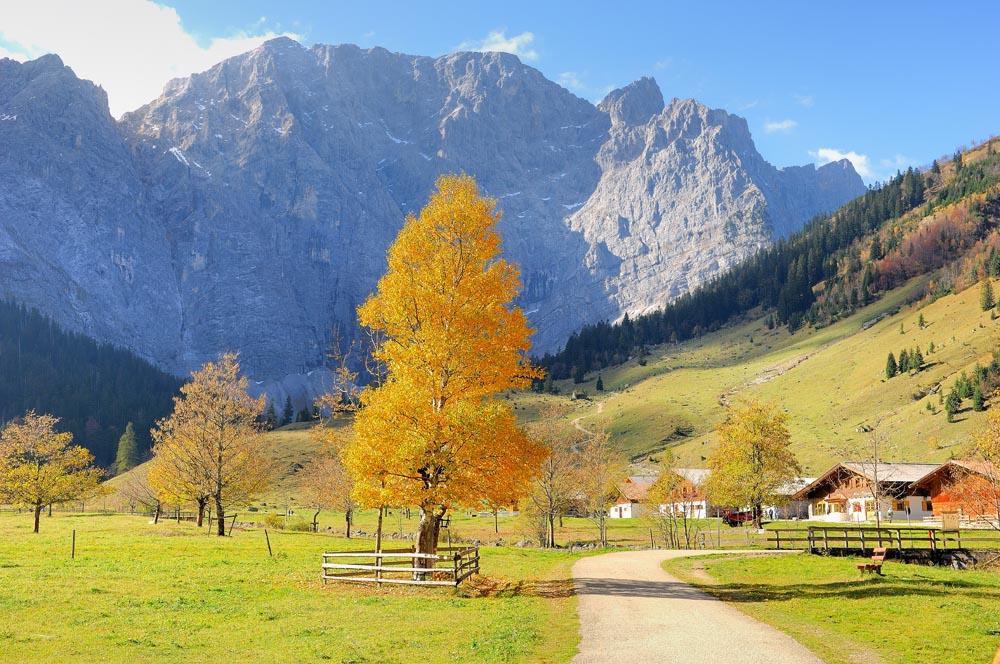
x=601 y=467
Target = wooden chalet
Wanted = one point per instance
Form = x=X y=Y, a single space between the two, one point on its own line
x=971 y=488
x=690 y=495
x=632 y=492
x=843 y=493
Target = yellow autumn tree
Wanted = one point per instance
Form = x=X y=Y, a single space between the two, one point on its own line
x=753 y=459
x=212 y=447
x=39 y=467
x=430 y=433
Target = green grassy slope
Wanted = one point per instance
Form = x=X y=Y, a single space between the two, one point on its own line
x=830 y=380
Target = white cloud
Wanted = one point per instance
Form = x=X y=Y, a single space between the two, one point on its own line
x=859 y=161
x=665 y=63
x=129 y=47
x=519 y=45
x=804 y=100
x=784 y=126
x=897 y=163
x=571 y=80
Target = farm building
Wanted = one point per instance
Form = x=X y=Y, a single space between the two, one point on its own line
x=689 y=493
x=845 y=492
x=969 y=487
x=632 y=493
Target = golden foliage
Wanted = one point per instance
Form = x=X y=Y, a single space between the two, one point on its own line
x=212 y=445
x=39 y=467
x=449 y=338
x=753 y=459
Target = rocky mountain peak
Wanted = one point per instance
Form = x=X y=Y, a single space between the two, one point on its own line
x=251 y=205
x=633 y=104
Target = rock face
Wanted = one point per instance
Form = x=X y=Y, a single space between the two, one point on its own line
x=250 y=206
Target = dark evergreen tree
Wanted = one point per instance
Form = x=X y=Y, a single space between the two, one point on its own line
x=977 y=400
x=304 y=415
x=579 y=374
x=986 y=300
x=951 y=405
x=288 y=412
x=128 y=451
x=891 y=368
x=270 y=417
x=904 y=361
x=600 y=384
x=916 y=360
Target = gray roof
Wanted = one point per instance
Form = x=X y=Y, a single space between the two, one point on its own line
x=696 y=476
x=890 y=471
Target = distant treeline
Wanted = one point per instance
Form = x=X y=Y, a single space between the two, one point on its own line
x=95 y=389
x=842 y=250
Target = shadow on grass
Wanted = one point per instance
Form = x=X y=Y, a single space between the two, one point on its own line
x=485 y=586
x=861 y=589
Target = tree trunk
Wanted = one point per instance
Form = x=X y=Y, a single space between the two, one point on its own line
x=201 y=511
x=551 y=534
x=316 y=520
x=38 y=513
x=50 y=510
x=758 y=511
x=156 y=515
x=349 y=518
x=427 y=537
x=221 y=516
x=496 y=521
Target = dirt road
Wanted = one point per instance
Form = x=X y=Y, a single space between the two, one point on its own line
x=632 y=611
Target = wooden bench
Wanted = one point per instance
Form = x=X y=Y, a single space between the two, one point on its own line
x=878 y=557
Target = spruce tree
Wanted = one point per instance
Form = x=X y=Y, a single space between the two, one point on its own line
x=890 y=366
x=986 y=300
x=951 y=405
x=579 y=375
x=128 y=451
x=916 y=359
x=977 y=400
x=920 y=322
x=904 y=361
x=271 y=417
x=600 y=384
x=288 y=412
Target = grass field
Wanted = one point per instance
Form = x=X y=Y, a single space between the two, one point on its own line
x=913 y=614
x=171 y=593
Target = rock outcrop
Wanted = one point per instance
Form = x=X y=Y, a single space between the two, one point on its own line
x=250 y=206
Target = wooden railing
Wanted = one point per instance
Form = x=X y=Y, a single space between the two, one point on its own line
x=865 y=537
x=449 y=567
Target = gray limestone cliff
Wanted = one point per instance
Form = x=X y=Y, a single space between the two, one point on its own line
x=250 y=206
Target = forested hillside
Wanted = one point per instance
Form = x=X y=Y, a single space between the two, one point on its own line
x=95 y=389
x=914 y=224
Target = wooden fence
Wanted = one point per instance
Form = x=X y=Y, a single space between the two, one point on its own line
x=826 y=538
x=449 y=567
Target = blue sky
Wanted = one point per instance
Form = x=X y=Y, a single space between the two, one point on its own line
x=889 y=84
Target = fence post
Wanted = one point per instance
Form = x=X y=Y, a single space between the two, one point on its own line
x=899 y=540
x=847 y=544
x=72 y=548
x=826 y=541
x=777 y=539
x=862 y=533
x=457 y=557
x=930 y=536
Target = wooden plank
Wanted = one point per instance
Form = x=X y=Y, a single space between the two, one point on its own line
x=374 y=568
x=384 y=554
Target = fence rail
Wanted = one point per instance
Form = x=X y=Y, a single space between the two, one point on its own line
x=449 y=567
x=864 y=538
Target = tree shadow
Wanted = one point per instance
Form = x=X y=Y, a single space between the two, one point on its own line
x=634 y=588
x=863 y=588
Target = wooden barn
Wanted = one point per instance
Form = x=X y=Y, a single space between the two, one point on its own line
x=969 y=487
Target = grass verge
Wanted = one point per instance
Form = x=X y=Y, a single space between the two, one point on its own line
x=913 y=614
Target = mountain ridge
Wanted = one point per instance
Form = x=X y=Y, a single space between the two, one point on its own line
x=250 y=205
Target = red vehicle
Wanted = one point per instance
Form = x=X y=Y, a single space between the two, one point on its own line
x=733 y=518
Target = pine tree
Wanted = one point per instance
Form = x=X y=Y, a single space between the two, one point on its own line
x=986 y=300
x=271 y=418
x=920 y=322
x=128 y=451
x=951 y=405
x=600 y=384
x=977 y=400
x=904 y=361
x=930 y=349
x=288 y=412
x=916 y=359
x=890 y=366
x=579 y=375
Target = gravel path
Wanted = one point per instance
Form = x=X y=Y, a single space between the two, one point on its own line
x=632 y=611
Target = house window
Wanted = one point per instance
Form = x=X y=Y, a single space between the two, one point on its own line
x=927 y=506
x=899 y=505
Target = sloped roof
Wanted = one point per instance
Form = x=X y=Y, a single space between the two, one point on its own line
x=891 y=471
x=636 y=487
x=888 y=472
x=980 y=467
x=696 y=476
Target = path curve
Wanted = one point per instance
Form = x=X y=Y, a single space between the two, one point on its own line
x=632 y=611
